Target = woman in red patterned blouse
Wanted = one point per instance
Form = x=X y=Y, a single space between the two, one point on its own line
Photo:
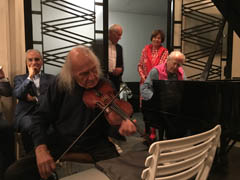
x=152 y=55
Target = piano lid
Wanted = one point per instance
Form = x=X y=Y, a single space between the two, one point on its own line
x=230 y=10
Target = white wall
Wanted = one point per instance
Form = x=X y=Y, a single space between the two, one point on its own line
x=137 y=31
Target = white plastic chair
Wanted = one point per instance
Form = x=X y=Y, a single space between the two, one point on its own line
x=182 y=158
x=177 y=159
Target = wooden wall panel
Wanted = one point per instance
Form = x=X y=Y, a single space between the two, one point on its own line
x=236 y=56
x=12 y=47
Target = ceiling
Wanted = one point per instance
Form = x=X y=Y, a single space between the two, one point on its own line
x=148 y=7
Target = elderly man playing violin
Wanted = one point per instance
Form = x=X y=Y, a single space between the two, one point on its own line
x=63 y=107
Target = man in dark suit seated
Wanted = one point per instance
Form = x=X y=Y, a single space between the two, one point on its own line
x=7 y=153
x=28 y=88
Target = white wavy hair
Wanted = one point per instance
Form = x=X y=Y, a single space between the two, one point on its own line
x=66 y=81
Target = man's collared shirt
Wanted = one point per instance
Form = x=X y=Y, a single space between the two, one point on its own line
x=112 y=54
x=36 y=81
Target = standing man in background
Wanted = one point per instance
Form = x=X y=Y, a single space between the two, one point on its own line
x=115 y=55
x=115 y=66
x=28 y=89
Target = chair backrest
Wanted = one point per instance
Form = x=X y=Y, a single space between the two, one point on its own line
x=183 y=158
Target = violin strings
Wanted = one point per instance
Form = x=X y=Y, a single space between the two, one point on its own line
x=124 y=116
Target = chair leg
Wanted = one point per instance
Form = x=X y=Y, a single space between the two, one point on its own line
x=17 y=146
x=19 y=149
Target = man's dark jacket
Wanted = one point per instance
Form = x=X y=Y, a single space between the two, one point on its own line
x=23 y=86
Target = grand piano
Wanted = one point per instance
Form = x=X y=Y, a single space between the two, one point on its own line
x=200 y=104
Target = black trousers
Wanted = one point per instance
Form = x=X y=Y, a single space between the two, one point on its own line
x=24 y=126
x=7 y=147
x=26 y=168
x=116 y=81
x=166 y=120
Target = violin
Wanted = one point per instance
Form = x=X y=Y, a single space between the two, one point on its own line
x=115 y=110
x=105 y=98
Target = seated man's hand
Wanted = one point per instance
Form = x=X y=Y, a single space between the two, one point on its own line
x=45 y=162
x=32 y=71
x=127 y=128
